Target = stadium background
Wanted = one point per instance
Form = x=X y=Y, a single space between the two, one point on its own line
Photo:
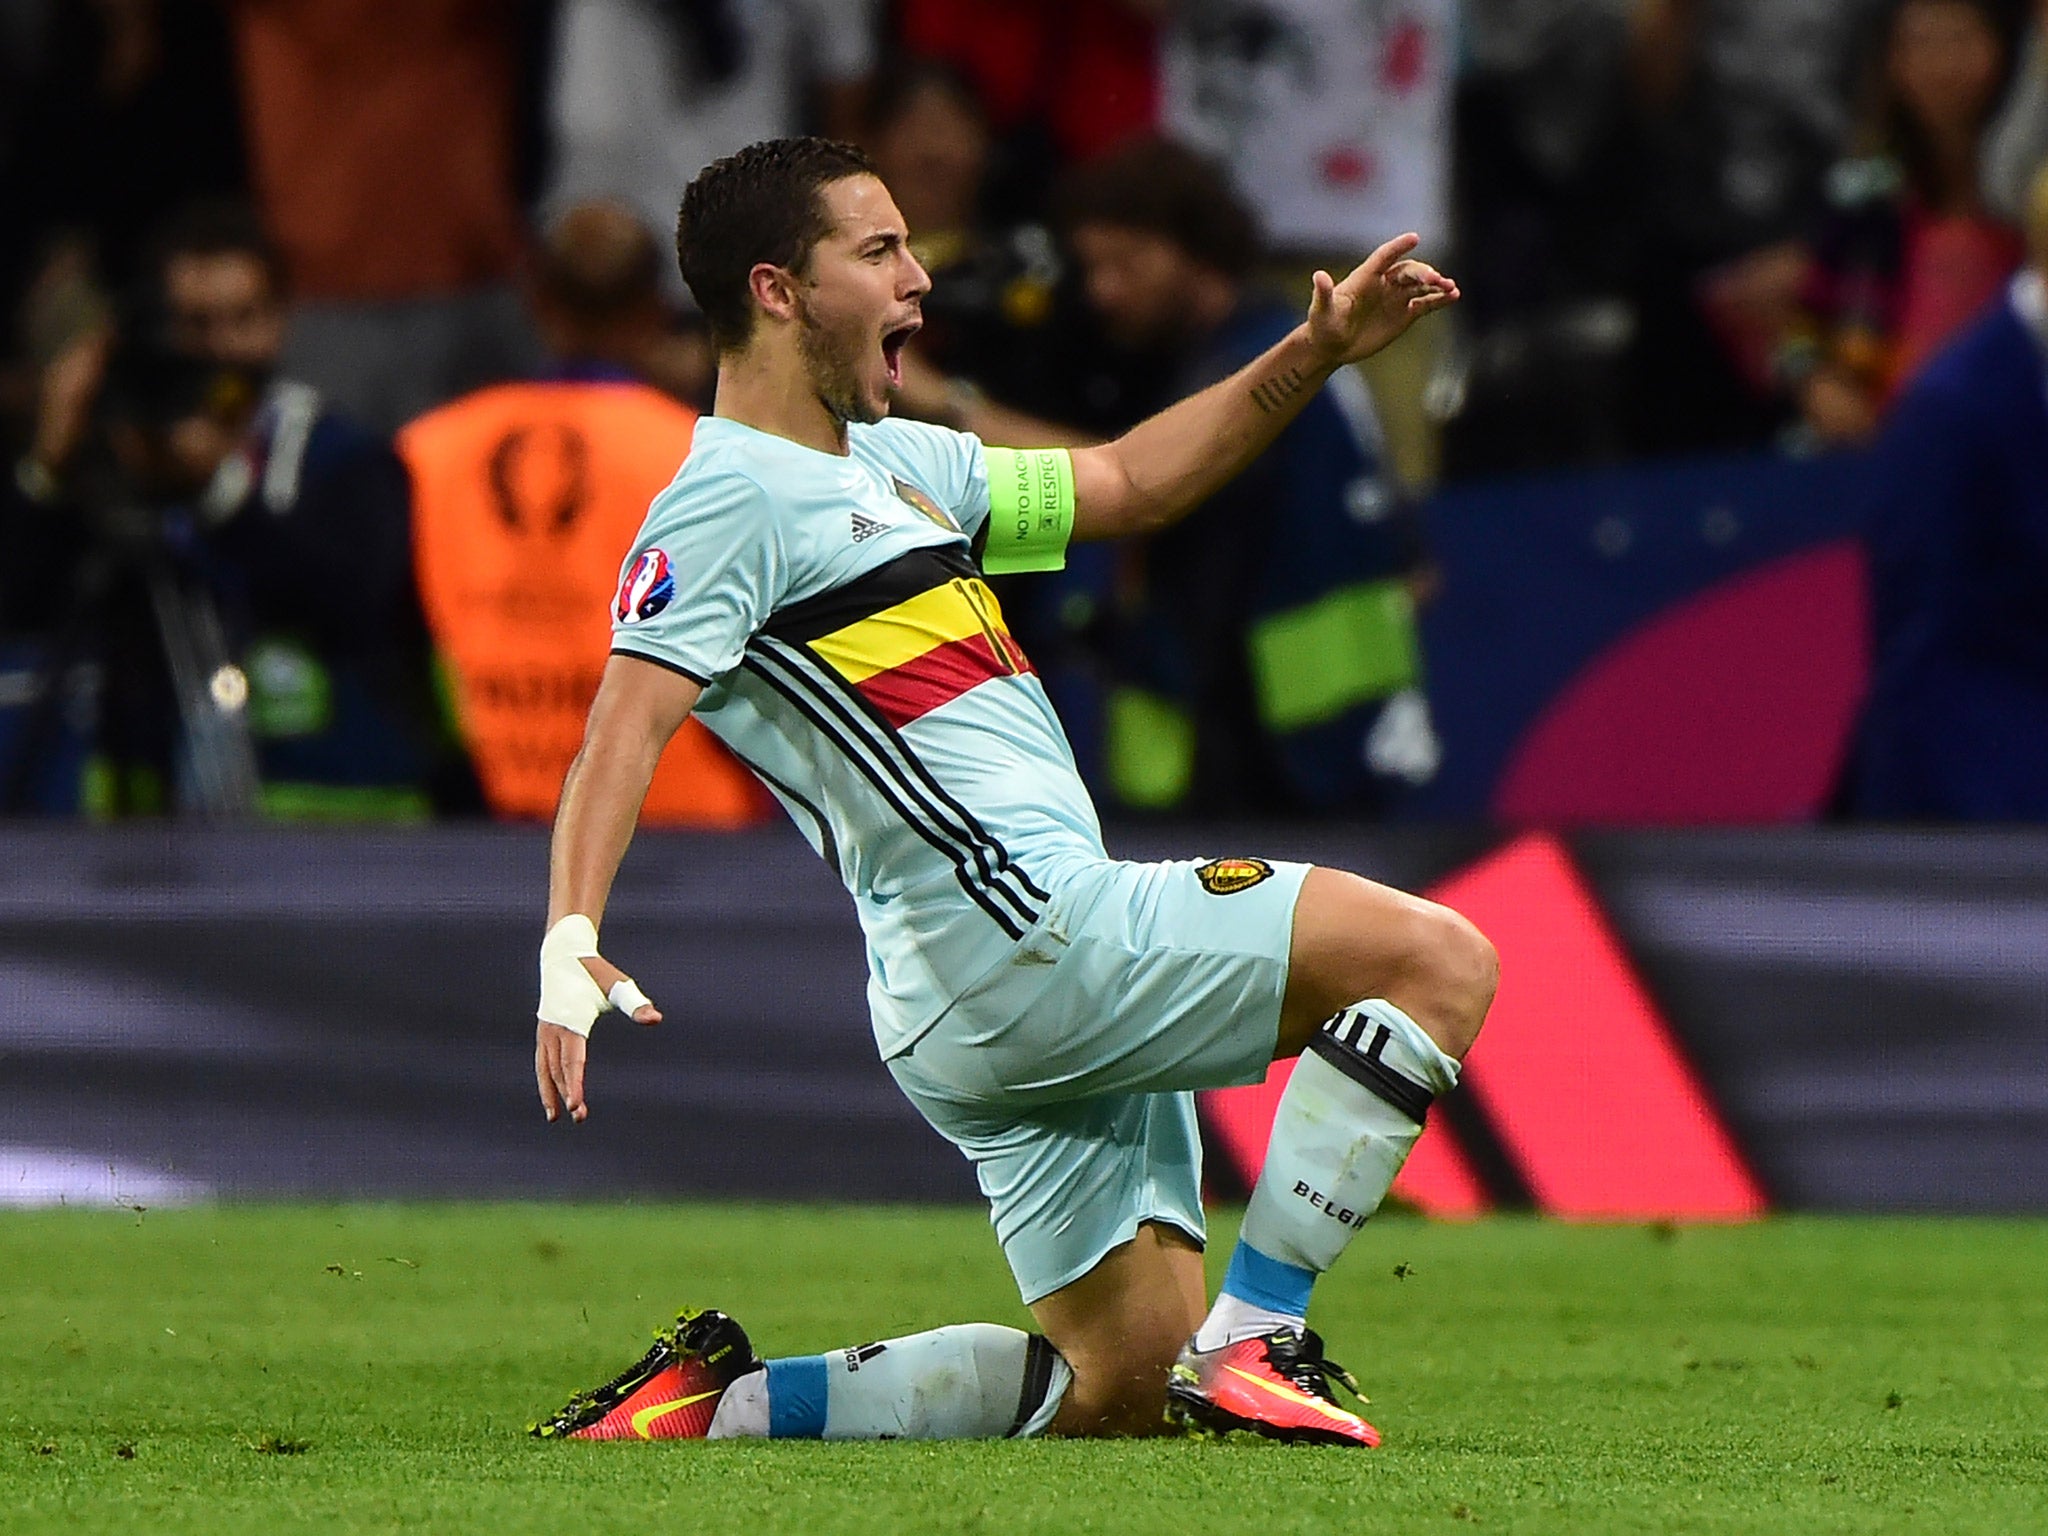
x=1736 y=984
x=215 y=1014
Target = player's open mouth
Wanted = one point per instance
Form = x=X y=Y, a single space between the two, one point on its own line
x=893 y=343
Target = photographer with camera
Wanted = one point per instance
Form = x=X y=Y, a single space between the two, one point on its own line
x=109 y=592
x=173 y=456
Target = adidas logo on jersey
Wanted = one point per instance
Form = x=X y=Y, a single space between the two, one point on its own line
x=865 y=527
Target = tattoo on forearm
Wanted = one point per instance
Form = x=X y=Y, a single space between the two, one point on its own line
x=1271 y=395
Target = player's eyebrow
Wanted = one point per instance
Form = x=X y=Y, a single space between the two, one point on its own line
x=880 y=240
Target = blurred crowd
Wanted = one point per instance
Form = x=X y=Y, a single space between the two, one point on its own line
x=343 y=350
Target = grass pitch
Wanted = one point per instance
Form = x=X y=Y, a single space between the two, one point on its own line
x=372 y=1368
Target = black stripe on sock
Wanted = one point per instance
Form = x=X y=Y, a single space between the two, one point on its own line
x=1371 y=1073
x=1346 y=1027
x=1039 y=1358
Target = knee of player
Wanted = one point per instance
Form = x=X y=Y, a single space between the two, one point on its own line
x=1120 y=1391
x=1128 y=1398
x=1464 y=971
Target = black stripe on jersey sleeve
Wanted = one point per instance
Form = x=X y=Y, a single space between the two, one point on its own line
x=663 y=662
x=893 y=582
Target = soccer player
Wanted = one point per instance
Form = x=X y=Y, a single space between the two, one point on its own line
x=810 y=586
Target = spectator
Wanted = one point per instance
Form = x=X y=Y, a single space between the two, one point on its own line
x=284 y=524
x=339 y=702
x=1061 y=80
x=646 y=93
x=1957 y=723
x=1008 y=348
x=111 y=115
x=135 y=657
x=1266 y=651
x=2017 y=144
x=1742 y=105
x=991 y=291
x=383 y=136
x=1004 y=323
x=1547 y=240
x=1335 y=122
x=526 y=498
x=1908 y=253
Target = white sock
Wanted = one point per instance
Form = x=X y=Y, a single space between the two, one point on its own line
x=743 y=1411
x=1232 y=1319
x=1349 y=1117
x=970 y=1381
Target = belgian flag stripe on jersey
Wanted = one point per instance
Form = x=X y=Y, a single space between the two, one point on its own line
x=941 y=674
x=923 y=651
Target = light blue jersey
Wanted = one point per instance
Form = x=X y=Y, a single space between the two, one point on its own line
x=851 y=654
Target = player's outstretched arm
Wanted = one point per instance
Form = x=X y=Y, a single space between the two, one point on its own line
x=639 y=706
x=1165 y=467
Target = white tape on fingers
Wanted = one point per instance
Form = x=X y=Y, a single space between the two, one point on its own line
x=568 y=997
x=627 y=997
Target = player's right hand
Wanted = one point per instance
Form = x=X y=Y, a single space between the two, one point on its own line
x=577 y=984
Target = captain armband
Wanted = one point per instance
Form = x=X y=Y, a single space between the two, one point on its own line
x=1030 y=509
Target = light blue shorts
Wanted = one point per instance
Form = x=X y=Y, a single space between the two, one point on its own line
x=1066 y=1074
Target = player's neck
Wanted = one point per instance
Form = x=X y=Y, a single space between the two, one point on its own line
x=774 y=395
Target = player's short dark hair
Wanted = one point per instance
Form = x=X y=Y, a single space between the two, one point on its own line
x=214 y=226
x=762 y=204
x=1163 y=188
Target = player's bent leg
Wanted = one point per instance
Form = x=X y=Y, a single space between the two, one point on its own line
x=968 y=1381
x=1385 y=994
x=1120 y=1327
x=1355 y=939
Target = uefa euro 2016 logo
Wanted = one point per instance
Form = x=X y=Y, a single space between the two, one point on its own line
x=648 y=588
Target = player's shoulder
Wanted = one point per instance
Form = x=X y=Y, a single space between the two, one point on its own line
x=725 y=464
x=718 y=483
x=896 y=440
x=897 y=430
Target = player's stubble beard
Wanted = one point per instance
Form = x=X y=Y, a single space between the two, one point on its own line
x=833 y=363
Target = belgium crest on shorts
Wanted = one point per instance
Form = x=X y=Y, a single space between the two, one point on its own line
x=1226 y=877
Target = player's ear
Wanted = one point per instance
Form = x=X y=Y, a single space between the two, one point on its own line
x=774 y=289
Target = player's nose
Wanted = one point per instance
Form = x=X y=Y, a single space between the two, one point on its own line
x=915 y=282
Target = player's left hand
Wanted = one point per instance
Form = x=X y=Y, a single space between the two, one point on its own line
x=1384 y=295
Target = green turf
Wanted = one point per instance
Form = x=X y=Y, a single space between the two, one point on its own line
x=370 y=1368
